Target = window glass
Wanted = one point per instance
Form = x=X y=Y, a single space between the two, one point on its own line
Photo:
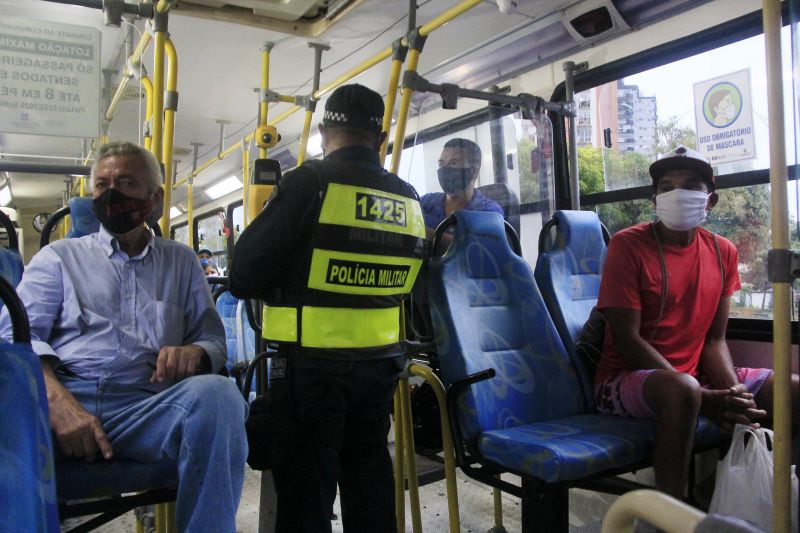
x=211 y=235
x=238 y=221
x=181 y=234
x=516 y=171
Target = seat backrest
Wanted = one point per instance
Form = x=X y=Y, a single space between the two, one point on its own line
x=82 y=218
x=11 y=265
x=226 y=308
x=27 y=490
x=568 y=272
x=488 y=313
x=508 y=200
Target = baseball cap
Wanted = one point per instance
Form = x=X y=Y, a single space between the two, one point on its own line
x=683 y=158
x=354 y=106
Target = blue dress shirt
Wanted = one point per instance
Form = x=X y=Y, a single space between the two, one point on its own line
x=433 y=206
x=106 y=316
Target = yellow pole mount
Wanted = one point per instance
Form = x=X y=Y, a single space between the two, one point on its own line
x=399 y=53
x=416 y=42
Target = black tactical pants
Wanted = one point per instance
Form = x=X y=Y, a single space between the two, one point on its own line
x=341 y=422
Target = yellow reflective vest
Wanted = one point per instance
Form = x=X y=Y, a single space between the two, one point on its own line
x=367 y=249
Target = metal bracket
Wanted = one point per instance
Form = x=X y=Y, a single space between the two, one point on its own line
x=266 y=95
x=171 y=100
x=196 y=147
x=399 y=51
x=160 y=21
x=783 y=266
x=266 y=47
x=112 y=12
x=222 y=124
x=145 y=9
x=137 y=69
x=307 y=102
x=416 y=41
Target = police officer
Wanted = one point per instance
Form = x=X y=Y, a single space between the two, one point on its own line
x=333 y=254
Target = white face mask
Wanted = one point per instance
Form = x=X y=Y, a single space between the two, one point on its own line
x=681 y=209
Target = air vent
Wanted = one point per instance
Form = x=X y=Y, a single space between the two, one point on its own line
x=277 y=9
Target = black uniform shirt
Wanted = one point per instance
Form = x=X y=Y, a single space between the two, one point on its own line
x=275 y=249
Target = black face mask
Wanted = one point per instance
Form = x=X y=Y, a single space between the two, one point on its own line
x=118 y=212
x=454 y=180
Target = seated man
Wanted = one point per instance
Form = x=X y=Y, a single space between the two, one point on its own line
x=459 y=166
x=130 y=341
x=665 y=294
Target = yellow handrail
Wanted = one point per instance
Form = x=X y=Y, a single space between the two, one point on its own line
x=782 y=405
x=402 y=116
x=148 y=109
x=245 y=182
x=169 y=134
x=135 y=57
x=156 y=145
x=391 y=98
x=263 y=104
x=399 y=464
x=301 y=152
x=447 y=16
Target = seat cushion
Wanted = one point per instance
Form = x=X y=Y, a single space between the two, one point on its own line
x=77 y=480
x=570 y=448
x=11 y=266
x=575 y=447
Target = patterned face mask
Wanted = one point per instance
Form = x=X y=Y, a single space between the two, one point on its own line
x=120 y=213
x=682 y=209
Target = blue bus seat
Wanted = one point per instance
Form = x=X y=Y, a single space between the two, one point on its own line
x=11 y=265
x=227 y=305
x=531 y=419
x=27 y=482
x=568 y=271
x=82 y=219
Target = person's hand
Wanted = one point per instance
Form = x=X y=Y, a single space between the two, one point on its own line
x=78 y=433
x=728 y=407
x=177 y=362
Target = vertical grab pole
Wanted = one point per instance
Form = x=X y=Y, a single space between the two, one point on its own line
x=170 y=108
x=263 y=108
x=570 y=69
x=781 y=517
x=416 y=43
x=245 y=180
x=399 y=463
x=189 y=198
x=447 y=444
x=311 y=103
x=408 y=449
x=148 y=111
x=399 y=52
x=159 y=38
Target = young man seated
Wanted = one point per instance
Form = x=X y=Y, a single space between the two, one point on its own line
x=129 y=342
x=665 y=294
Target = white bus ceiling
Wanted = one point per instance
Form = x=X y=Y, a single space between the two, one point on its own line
x=219 y=67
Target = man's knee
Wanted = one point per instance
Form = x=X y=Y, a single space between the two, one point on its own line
x=218 y=398
x=673 y=393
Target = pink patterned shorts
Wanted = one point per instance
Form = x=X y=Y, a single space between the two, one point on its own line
x=623 y=393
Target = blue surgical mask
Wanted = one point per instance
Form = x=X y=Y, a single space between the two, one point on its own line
x=454 y=180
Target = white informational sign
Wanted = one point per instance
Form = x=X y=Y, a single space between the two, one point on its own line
x=724 y=117
x=49 y=78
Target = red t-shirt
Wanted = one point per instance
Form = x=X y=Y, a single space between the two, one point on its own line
x=632 y=280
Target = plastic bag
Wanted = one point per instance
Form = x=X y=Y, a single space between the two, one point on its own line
x=744 y=479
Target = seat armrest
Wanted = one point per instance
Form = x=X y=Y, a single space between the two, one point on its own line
x=453 y=392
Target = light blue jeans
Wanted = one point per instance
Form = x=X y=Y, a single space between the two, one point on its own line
x=198 y=422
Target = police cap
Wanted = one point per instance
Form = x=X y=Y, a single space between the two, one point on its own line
x=354 y=106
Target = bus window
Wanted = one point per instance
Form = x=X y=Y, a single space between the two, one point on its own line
x=211 y=234
x=237 y=221
x=180 y=233
x=516 y=167
x=714 y=102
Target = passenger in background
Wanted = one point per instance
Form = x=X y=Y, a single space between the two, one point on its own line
x=130 y=342
x=665 y=294
x=205 y=253
x=209 y=268
x=459 y=166
x=333 y=253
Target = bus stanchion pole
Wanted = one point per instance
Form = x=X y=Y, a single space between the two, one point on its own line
x=399 y=464
x=408 y=448
x=425 y=372
x=310 y=103
x=399 y=52
x=416 y=42
x=170 y=108
x=780 y=272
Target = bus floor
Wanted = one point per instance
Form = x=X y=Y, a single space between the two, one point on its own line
x=475 y=504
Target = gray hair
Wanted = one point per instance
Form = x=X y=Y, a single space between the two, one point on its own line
x=151 y=164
